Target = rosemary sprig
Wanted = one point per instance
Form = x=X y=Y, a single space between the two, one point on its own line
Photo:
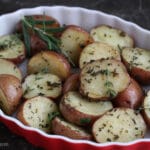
x=46 y=34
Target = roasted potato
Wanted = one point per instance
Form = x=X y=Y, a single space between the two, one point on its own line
x=119 y=125
x=35 y=112
x=137 y=61
x=81 y=111
x=37 y=44
x=61 y=127
x=146 y=108
x=131 y=97
x=12 y=48
x=73 y=40
x=10 y=93
x=48 y=85
x=97 y=50
x=55 y=23
x=112 y=36
x=50 y=62
x=72 y=83
x=103 y=79
x=7 y=67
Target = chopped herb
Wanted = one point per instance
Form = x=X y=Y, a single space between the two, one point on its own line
x=52 y=115
x=85 y=121
x=111 y=93
x=54 y=84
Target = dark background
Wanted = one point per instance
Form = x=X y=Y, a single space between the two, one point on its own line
x=137 y=11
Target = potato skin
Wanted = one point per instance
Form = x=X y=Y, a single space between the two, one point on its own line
x=71 y=84
x=131 y=97
x=75 y=116
x=37 y=44
x=10 y=93
x=60 y=129
x=139 y=74
x=54 y=63
x=78 y=116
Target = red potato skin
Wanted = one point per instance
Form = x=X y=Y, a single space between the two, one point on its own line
x=131 y=97
x=37 y=44
x=74 y=116
x=146 y=118
x=71 y=84
x=142 y=76
x=11 y=88
x=59 y=129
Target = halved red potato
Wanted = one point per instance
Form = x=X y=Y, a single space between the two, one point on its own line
x=80 y=110
x=48 y=85
x=97 y=50
x=62 y=127
x=119 y=125
x=73 y=40
x=146 y=108
x=72 y=83
x=35 y=112
x=137 y=61
x=112 y=36
x=10 y=93
x=49 y=62
x=131 y=97
x=12 y=48
x=7 y=67
x=55 y=22
x=103 y=79
x=37 y=44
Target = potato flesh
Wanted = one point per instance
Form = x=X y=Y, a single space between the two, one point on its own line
x=147 y=105
x=72 y=41
x=137 y=57
x=94 y=87
x=75 y=100
x=119 y=125
x=9 y=68
x=114 y=37
x=96 y=51
x=14 y=47
x=36 y=111
x=48 y=85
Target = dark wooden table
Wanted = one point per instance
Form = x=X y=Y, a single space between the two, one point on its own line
x=137 y=11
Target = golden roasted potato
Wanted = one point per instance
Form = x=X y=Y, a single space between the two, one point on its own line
x=131 y=97
x=48 y=85
x=49 y=62
x=112 y=36
x=72 y=83
x=97 y=50
x=10 y=93
x=7 y=67
x=35 y=112
x=73 y=40
x=61 y=127
x=137 y=61
x=146 y=108
x=80 y=110
x=12 y=48
x=119 y=125
x=103 y=79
